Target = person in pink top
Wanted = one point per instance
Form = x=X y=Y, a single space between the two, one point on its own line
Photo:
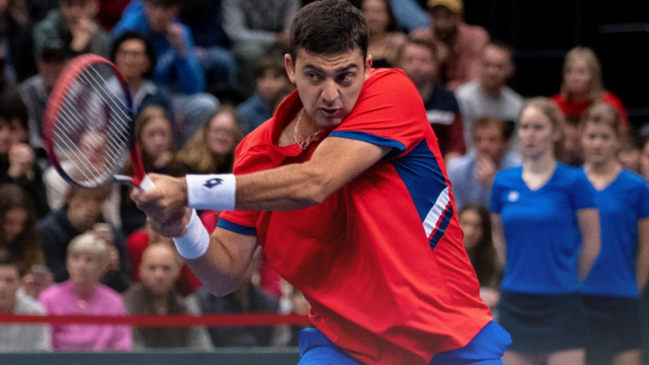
x=83 y=294
x=461 y=43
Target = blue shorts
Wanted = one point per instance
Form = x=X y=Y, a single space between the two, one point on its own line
x=486 y=348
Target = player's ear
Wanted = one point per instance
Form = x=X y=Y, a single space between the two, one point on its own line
x=368 y=65
x=290 y=67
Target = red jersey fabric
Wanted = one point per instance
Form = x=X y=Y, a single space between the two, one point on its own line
x=574 y=109
x=381 y=260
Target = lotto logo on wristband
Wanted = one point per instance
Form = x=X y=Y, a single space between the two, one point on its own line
x=213 y=182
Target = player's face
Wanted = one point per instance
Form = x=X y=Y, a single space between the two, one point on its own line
x=9 y=284
x=600 y=143
x=159 y=270
x=644 y=162
x=578 y=76
x=495 y=67
x=13 y=223
x=472 y=228
x=418 y=63
x=536 y=133
x=156 y=137
x=131 y=59
x=328 y=85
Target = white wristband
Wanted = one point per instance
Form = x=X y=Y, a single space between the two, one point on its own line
x=195 y=242
x=211 y=192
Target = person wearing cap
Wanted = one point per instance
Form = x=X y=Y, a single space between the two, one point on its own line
x=462 y=42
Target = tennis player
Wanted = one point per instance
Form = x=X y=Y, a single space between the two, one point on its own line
x=346 y=190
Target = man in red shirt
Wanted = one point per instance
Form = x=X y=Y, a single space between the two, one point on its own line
x=346 y=190
x=460 y=42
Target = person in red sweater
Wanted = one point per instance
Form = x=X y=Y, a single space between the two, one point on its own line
x=582 y=86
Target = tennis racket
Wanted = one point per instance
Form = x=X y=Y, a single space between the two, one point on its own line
x=89 y=130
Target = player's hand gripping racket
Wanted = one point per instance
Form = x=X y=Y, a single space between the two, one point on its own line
x=89 y=130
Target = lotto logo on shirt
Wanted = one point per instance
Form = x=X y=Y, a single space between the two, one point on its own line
x=513 y=196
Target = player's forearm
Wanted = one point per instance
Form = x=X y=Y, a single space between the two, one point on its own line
x=289 y=187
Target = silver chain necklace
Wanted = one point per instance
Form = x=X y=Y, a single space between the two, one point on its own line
x=304 y=144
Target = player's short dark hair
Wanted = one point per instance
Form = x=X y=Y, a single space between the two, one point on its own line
x=329 y=27
x=148 y=49
x=12 y=107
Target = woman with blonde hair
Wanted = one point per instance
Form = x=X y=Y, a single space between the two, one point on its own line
x=620 y=274
x=83 y=294
x=582 y=86
x=384 y=40
x=211 y=148
x=546 y=228
x=154 y=136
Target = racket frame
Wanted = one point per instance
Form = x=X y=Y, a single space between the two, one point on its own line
x=68 y=77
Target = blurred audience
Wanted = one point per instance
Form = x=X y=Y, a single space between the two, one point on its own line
x=257 y=28
x=19 y=236
x=80 y=214
x=385 y=41
x=153 y=136
x=420 y=61
x=139 y=241
x=582 y=86
x=134 y=56
x=248 y=298
x=74 y=24
x=159 y=270
x=38 y=9
x=205 y=19
x=476 y=225
x=460 y=43
x=178 y=68
x=17 y=337
x=488 y=95
x=271 y=80
x=17 y=159
x=472 y=175
x=631 y=150
x=16 y=52
x=211 y=149
x=35 y=92
x=83 y=294
x=622 y=198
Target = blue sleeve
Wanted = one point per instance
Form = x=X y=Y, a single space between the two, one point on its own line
x=132 y=19
x=236 y=228
x=189 y=70
x=410 y=15
x=497 y=190
x=582 y=193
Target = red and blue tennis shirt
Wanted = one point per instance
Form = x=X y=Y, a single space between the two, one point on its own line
x=381 y=260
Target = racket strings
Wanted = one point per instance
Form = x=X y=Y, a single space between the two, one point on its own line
x=93 y=127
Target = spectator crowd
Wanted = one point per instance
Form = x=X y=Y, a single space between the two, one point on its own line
x=552 y=192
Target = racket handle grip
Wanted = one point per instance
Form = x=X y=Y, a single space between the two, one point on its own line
x=146 y=183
